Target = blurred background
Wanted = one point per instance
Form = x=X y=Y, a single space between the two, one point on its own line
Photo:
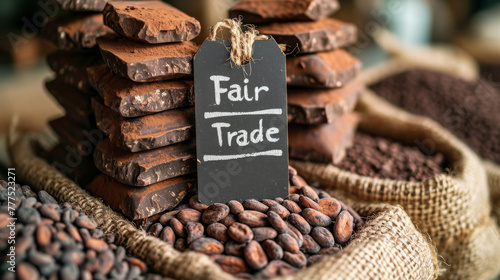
x=473 y=26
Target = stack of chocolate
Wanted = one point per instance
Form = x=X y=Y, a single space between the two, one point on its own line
x=145 y=107
x=74 y=35
x=322 y=92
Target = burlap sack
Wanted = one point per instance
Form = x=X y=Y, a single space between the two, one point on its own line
x=454 y=210
x=387 y=247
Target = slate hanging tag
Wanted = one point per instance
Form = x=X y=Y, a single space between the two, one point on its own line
x=241 y=123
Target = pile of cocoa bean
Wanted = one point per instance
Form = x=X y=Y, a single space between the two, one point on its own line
x=262 y=239
x=55 y=241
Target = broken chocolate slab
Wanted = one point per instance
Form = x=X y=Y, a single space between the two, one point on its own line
x=146 y=132
x=152 y=22
x=140 y=203
x=317 y=106
x=324 y=143
x=308 y=37
x=265 y=11
x=80 y=169
x=142 y=62
x=322 y=70
x=71 y=67
x=82 y=5
x=74 y=32
x=75 y=102
x=76 y=136
x=130 y=99
x=147 y=167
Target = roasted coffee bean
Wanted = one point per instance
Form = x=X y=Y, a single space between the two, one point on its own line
x=189 y=215
x=323 y=236
x=263 y=233
x=272 y=250
x=330 y=207
x=306 y=202
x=300 y=223
x=235 y=206
x=165 y=218
x=288 y=243
x=291 y=206
x=181 y=244
x=277 y=222
x=207 y=246
x=240 y=233
x=310 y=246
x=168 y=235
x=253 y=204
x=233 y=248
x=228 y=220
x=276 y=268
x=196 y=204
x=230 y=264
x=276 y=207
x=46 y=198
x=178 y=227
x=218 y=231
x=85 y=222
x=296 y=259
x=254 y=255
x=309 y=192
x=155 y=229
x=253 y=218
x=215 y=213
x=194 y=231
x=343 y=228
x=316 y=218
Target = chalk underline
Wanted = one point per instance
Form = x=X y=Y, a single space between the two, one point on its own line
x=210 y=115
x=274 y=153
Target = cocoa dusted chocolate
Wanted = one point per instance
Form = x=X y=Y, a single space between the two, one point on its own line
x=317 y=106
x=308 y=37
x=148 y=167
x=146 y=132
x=322 y=143
x=142 y=62
x=331 y=69
x=82 y=5
x=75 y=31
x=265 y=11
x=152 y=22
x=130 y=99
x=141 y=203
x=71 y=67
x=75 y=103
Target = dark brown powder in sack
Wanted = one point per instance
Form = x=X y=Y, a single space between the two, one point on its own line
x=471 y=110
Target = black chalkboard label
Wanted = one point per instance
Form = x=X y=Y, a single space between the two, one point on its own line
x=241 y=123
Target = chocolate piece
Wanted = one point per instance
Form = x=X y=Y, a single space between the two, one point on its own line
x=82 y=5
x=131 y=99
x=148 y=167
x=146 y=132
x=142 y=62
x=73 y=135
x=140 y=203
x=79 y=168
x=322 y=70
x=265 y=11
x=75 y=31
x=322 y=143
x=71 y=67
x=307 y=37
x=151 y=22
x=306 y=106
x=75 y=103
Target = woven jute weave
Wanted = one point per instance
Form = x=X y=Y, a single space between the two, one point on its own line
x=453 y=209
x=388 y=247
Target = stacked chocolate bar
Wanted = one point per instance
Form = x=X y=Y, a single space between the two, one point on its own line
x=145 y=107
x=74 y=35
x=322 y=92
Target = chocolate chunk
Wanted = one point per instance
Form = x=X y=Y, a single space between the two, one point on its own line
x=307 y=37
x=75 y=103
x=322 y=70
x=75 y=31
x=71 y=67
x=146 y=132
x=265 y=11
x=82 y=5
x=142 y=62
x=79 y=168
x=151 y=22
x=130 y=99
x=140 y=203
x=322 y=143
x=306 y=106
x=73 y=135
x=145 y=168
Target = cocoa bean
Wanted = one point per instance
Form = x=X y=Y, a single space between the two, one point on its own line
x=288 y=243
x=26 y=271
x=68 y=215
x=298 y=181
x=215 y=213
x=96 y=244
x=291 y=206
x=107 y=260
x=235 y=206
x=28 y=216
x=329 y=251
x=207 y=246
x=279 y=199
x=343 y=228
x=168 y=235
x=155 y=229
x=314 y=259
x=263 y=233
x=309 y=192
x=85 y=222
x=272 y=249
x=230 y=264
x=323 y=236
x=218 y=231
x=254 y=255
x=228 y=220
x=181 y=244
x=84 y=233
x=253 y=218
x=189 y=215
x=43 y=235
x=291 y=172
x=306 y=202
x=295 y=233
x=46 y=198
x=178 y=227
x=276 y=268
x=73 y=232
x=134 y=262
x=316 y=218
x=234 y=248
x=310 y=246
x=358 y=221
x=166 y=217
x=74 y=256
x=293 y=197
x=194 y=231
x=277 y=222
x=276 y=207
x=300 y=223
x=240 y=233
x=253 y=204
x=296 y=259
x=50 y=211
x=330 y=207
x=196 y=204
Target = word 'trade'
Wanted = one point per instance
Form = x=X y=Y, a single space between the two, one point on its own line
x=241 y=123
